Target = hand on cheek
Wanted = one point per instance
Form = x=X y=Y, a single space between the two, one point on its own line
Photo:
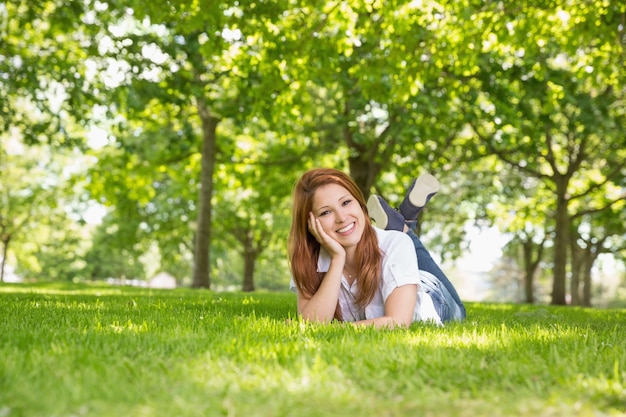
x=313 y=226
x=332 y=246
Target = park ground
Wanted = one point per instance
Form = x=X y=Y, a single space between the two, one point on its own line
x=85 y=350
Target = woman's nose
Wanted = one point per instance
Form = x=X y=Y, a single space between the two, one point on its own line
x=341 y=215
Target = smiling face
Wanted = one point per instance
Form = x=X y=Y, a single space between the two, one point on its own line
x=340 y=214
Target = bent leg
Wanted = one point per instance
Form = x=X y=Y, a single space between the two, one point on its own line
x=383 y=215
x=445 y=298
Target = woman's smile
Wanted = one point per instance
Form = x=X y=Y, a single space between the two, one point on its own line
x=346 y=229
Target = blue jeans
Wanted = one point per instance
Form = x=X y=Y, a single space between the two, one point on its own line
x=436 y=284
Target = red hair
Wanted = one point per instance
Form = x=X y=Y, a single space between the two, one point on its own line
x=304 y=249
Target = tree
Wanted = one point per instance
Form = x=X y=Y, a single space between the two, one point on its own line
x=251 y=195
x=369 y=78
x=46 y=93
x=148 y=179
x=539 y=105
x=591 y=236
x=34 y=203
x=194 y=50
x=212 y=109
x=21 y=198
x=45 y=102
x=113 y=256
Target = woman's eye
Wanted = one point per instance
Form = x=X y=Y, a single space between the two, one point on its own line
x=346 y=202
x=324 y=213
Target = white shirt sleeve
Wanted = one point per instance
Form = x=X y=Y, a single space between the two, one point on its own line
x=400 y=268
x=399 y=263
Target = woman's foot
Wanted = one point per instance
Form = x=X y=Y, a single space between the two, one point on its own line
x=385 y=217
x=420 y=192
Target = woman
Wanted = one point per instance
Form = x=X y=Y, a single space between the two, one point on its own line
x=344 y=268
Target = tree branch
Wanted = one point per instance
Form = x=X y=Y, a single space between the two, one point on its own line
x=597 y=210
x=504 y=157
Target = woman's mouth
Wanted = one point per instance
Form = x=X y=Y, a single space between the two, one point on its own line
x=346 y=229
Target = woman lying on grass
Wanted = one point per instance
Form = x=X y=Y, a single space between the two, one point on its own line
x=348 y=270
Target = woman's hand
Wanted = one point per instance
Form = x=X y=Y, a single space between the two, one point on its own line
x=331 y=246
x=320 y=307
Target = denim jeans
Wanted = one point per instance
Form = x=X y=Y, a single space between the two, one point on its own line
x=435 y=283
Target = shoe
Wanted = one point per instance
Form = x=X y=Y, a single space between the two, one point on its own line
x=385 y=217
x=420 y=192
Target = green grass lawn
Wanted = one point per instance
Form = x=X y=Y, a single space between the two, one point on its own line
x=106 y=351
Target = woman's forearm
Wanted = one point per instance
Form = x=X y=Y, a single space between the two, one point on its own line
x=322 y=305
x=399 y=308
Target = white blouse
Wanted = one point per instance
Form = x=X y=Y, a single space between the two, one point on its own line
x=399 y=267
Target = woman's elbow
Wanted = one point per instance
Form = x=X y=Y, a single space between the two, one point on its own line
x=403 y=322
x=314 y=317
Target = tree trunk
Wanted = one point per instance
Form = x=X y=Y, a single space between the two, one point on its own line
x=586 y=298
x=575 y=286
x=202 y=262
x=529 y=273
x=367 y=159
x=577 y=266
x=249 y=260
x=591 y=256
x=5 y=250
x=252 y=248
x=531 y=264
x=364 y=171
x=561 y=243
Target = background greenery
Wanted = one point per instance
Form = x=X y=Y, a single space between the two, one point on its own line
x=69 y=350
x=189 y=121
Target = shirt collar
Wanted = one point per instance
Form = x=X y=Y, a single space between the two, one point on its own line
x=323 y=261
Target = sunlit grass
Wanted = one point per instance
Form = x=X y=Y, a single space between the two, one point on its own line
x=87 y=350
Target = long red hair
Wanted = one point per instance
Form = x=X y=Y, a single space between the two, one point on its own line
x=304 y=249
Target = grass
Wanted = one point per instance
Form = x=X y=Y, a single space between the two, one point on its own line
x=69 y=350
